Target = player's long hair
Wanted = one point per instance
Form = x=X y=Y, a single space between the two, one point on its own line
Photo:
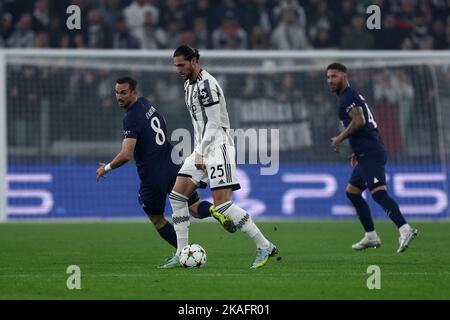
x=187 y=52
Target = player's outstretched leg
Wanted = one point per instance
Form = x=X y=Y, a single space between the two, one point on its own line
x=244 y=222
x=164 y=227
x=407 y=233
x=370 y=239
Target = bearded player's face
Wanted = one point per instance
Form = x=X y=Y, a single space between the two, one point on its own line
x=336 y=80
x=124 y=95
x=185 y=68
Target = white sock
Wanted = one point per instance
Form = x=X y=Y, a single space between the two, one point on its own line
x=244 y=222
x=404 y=229
x=180 y=219
x=372 y=235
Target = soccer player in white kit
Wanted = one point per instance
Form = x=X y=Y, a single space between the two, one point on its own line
x=213 y=159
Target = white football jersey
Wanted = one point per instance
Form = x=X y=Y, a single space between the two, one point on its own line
x=200 y=95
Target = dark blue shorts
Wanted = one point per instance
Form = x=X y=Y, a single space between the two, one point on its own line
x=369 y=172
x=153 y=200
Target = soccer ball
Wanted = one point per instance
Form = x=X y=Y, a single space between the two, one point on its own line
x=193 y=256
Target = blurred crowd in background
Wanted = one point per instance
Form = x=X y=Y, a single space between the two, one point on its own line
x=80 y=106
x=226 y=24
x=51 y=104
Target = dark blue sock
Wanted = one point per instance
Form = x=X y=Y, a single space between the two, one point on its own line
x=203 y=209
x=363 y=211
x=390 y=207
x=168 y=233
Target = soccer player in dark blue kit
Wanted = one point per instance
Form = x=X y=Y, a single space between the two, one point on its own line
x=145 y=137
x=368 y=160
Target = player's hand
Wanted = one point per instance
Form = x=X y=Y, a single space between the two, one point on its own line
x=335 y=144
x=353 y=160
x=199 y=164
x=100 y=173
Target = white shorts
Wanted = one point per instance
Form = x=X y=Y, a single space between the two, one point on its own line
x=220 y=169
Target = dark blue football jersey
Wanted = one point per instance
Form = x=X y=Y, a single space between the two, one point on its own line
x=152 y=152
x=366 y=139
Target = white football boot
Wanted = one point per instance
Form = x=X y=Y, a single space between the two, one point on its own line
x=367 y=243
x=406 y=238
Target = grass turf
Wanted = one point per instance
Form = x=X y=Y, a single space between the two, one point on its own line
x=119 y=261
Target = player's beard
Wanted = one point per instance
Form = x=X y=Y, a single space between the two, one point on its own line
x=124 y=106
x=338 y=89
x=190 y=74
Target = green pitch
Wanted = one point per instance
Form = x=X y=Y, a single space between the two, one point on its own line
x=119 y=261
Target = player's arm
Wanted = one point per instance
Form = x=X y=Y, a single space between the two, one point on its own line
x=358 y=121
x=125 y=155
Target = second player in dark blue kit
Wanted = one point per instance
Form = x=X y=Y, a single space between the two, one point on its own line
x=145 y=139
x=368 y=160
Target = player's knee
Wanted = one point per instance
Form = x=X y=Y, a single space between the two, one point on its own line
x=221 y=200
x=184 y=185
x=158 y=220
x=193 y=209
x=221 y=196
x=353 y=190
x=378 y=188
x=353 y=197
